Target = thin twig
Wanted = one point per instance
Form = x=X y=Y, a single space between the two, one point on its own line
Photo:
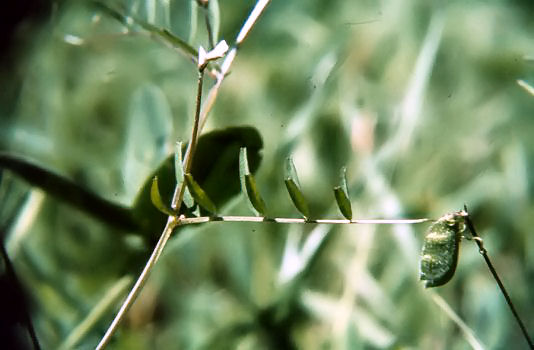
x=172 y=222
x=176 y=202
x=251 y=20
x=229 y=59
x=484 y=253
x=204 y=219
x=169 y=227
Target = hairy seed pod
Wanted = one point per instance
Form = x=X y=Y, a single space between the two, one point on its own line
x=439 y=256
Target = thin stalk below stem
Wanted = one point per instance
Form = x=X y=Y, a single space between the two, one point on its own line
x=188 y=159
x=484 y=254
x=169 y=228
x=172 y=222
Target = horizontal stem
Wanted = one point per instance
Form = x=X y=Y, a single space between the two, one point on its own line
x=203 y=219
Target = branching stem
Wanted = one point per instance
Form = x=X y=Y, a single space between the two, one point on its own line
x=200 y=117
x=172 y=222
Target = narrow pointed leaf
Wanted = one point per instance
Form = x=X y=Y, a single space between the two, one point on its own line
x=343 y=202
x=248 y=185
x=179 y=172
x=297 y=197
x=254 y=196
x=163 y=34
x=341 y=193
x=199 y=195
x=155 y=197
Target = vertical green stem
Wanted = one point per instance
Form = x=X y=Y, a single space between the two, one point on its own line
x=188 y=159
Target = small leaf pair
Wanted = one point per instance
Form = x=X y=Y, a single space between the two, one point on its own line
x=341 y=192
x=250 y=189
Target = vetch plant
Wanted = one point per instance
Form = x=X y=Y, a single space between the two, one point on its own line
x=236 y=266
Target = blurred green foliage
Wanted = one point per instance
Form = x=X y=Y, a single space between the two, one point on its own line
x=417 y=99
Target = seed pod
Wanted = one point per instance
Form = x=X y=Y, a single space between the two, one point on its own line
x=439 y=256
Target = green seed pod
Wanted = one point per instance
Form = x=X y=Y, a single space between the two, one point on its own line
x=439 y=256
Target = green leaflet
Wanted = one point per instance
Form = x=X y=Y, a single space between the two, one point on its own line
x=439 y=255
x=199 y=195
x=297 y=197
x=343 y=202
x=341 y=193
x=254 y=195
x=155 y=197
x=293 y=188
x=248 y=185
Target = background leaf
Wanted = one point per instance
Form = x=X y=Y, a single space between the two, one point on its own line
x=148 y=140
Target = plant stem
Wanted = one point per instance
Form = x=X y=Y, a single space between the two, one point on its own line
x=198 y=124
x=188 y=159
x=484 y=254
x=229 y=59
x=203 y=219
x=172 y=223
x=251 y=20
x=169 y=227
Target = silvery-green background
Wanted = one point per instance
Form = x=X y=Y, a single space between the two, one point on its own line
x=419 y=100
